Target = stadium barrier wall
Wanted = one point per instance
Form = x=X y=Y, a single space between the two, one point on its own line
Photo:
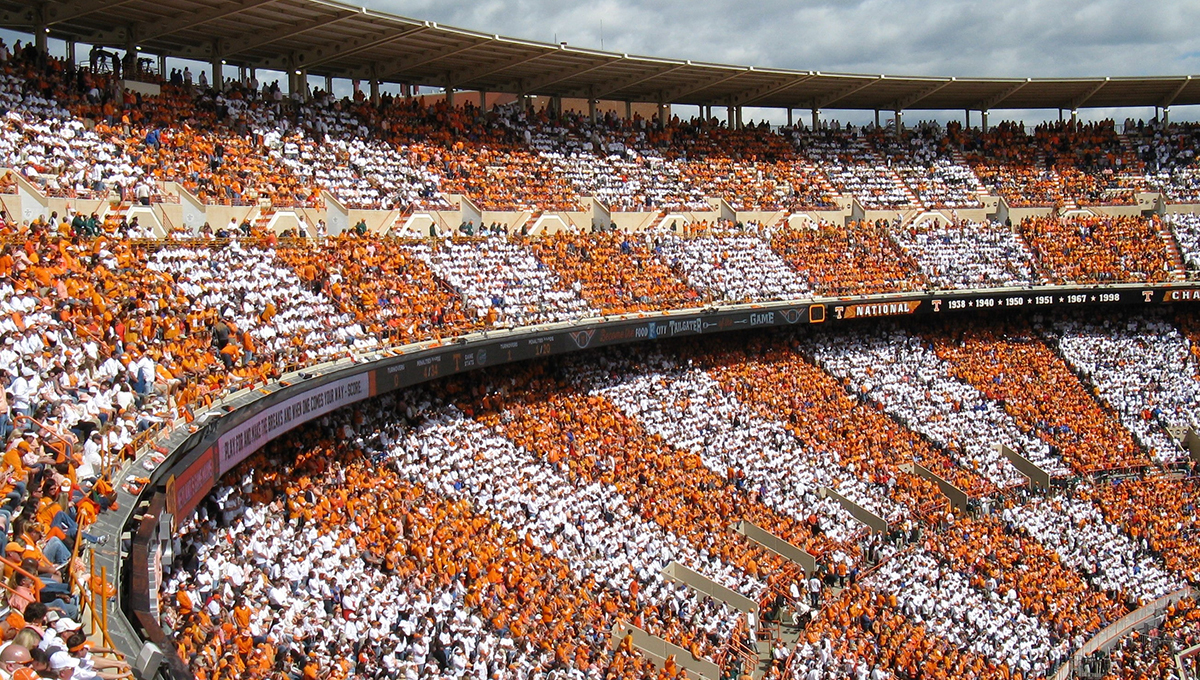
x=871 y=520
x=1036 y=475
x=804 y=559
x=706 y=586
x=243 y=422
x=658 y=649
x=1180 y=666
x=1120 y=628
x=958 y=498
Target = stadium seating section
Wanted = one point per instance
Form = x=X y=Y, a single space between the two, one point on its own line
x=71 y=132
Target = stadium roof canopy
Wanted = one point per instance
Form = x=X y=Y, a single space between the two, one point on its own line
x=329 y=38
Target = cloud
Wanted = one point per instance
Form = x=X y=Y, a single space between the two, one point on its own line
x=1034 y=38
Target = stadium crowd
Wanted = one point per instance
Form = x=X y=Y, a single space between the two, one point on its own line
x=852 y=260
x=501 y=528
x=902 y=373
x=964 y=255
x=249 y=143
x=1143 y=368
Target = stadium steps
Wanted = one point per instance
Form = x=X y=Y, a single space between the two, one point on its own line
x=789 y=634
x=960 y=159
x=1127 y=145
x=263 y=220
x=1174 y=254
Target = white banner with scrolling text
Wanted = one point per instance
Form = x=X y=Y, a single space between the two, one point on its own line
x=243 y=440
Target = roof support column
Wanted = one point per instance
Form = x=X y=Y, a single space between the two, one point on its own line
x=556 y=105
x=39 y=28
x=966 y=119
x=591 y=109
x=983 y=123
x=1074 y=116
x=876 y=119
x=816 y=119
x=662 y=114
x=162 y=67
x=730 y=120
x=71 y=52
x=129 y=63
x=899 y=121
x=374 y=90
x=482 y=100
x=449 y=94
x=789 y=110
x=217 y=73
x=738 y=110
x=1166 y=115
x=329 y=84
x=628 y=111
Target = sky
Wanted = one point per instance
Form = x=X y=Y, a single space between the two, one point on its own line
x=1018 y=38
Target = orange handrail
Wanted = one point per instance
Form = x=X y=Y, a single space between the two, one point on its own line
x=52 y=433
x=16 y=566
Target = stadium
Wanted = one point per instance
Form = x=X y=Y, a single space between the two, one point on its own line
x=531 y=377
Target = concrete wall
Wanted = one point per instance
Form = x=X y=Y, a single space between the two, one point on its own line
x=337 y=217
x=767 y=217
x=1018 y=214
x=1120 y=210
x=657 y=650
x=634 y=221
x=378 y=221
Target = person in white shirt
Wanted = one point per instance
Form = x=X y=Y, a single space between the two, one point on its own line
x=91 y=461
x=22 y=390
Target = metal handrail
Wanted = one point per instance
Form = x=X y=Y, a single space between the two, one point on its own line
x=53 y=434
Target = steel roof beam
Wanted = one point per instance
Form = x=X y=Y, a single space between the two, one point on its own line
x=466 y=77
x=999 y=98
x=1088 y=95
x=398 y=67
x=602 y=90
x=846 y=92
x=330 y=52
x=255 y=39
x=671 y=96
x=532 y=87
x=754 y=96
x=902 y=104
x=66 y=11
x=1175 y=94
x=144 y=32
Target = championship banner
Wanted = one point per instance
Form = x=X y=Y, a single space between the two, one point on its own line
x=877 y=309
